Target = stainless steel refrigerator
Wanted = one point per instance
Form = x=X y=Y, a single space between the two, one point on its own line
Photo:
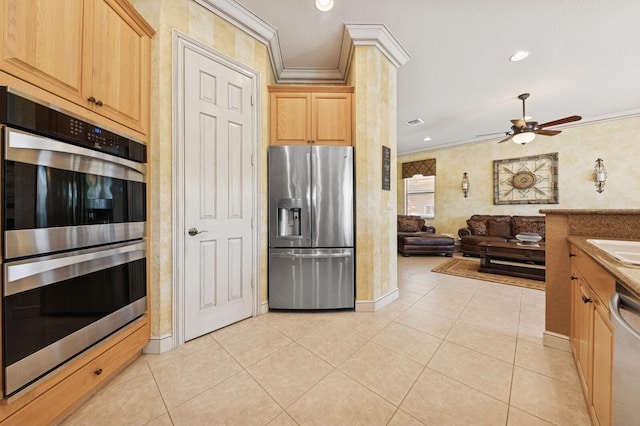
x=311 y=227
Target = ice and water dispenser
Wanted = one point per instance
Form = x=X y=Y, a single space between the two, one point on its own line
x=289 y=217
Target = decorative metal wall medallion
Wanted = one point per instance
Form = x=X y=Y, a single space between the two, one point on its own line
x=526 y=180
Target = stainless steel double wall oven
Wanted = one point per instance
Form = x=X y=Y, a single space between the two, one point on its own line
x=73 y=222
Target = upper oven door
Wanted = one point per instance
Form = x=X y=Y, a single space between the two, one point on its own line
x=58 y=196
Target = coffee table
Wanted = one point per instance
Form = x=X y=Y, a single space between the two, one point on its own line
x=513 y=259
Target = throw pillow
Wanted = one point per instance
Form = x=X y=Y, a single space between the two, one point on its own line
x=498 y=228
x=521 y=225
x=478 y=227
x=410 y=224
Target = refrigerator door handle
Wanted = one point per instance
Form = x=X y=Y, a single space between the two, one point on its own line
x=311 y=256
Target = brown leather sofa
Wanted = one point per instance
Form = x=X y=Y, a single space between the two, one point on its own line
x=487 y=228
x=414 y=237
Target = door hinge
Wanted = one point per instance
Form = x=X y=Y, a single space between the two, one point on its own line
x=252 y=159
x=251 y=222
x=252 y=284
x=252 y=100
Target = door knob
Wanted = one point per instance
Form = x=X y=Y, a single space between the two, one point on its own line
x=194 y=231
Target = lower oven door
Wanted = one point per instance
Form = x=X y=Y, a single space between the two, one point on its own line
x=55 y=307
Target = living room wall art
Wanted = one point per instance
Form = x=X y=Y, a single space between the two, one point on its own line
x=526 y=180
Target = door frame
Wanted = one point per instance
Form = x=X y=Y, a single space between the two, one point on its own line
x=181 y=42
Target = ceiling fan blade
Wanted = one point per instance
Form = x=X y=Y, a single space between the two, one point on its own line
x=547 y=132
x=508 y=138
x=520 y=123
x=561 y=121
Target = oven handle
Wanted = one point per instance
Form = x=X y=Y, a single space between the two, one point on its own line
x=18 y=140
x=29 y=274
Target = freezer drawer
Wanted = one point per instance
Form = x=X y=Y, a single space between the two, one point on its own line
x=311 y=278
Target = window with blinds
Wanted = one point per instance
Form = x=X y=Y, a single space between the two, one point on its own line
x=419 y=196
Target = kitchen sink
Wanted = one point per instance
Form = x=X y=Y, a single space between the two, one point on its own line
x=624 y=251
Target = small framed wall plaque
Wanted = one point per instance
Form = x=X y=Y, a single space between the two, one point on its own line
x=386 y=168
x=526 y=180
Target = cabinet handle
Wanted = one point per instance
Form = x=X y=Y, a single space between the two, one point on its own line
x=586 y=299
x=572 y=255
x=573 y=277
x=99 y=103
x=92 y=99
x=98 y=372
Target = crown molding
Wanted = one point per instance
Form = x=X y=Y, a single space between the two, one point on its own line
x=242 y=18
x=354 y=35
x=377 y=35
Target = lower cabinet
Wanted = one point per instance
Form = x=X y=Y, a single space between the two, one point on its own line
x=602 y=366
x=55 y=398
x=592 y=333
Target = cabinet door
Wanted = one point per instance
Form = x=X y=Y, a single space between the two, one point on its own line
x=42 y=43
x=602 y=365
x=331 y=118
x=584 y=334
x=119 y=66
x=290 y=118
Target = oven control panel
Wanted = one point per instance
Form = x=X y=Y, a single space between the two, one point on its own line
x=27 y=114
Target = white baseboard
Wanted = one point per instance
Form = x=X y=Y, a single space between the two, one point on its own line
x=264 y=308
x=556 y=341
x=374 y=305
x=158 y=345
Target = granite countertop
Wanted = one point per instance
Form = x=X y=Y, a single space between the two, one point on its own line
x=627 y=275
x=590 y=211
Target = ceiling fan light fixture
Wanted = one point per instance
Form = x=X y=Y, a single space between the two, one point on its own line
x=518 y=56
x=324 y=5
x=525 y=137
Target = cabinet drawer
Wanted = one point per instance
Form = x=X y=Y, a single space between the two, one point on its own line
x=54 y=404
x=600 y=281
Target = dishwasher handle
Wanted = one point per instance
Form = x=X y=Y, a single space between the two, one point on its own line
x=618 y=300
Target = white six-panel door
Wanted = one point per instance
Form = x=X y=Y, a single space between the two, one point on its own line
x=218 y=195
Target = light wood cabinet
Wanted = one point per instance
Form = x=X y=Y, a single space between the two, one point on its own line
x=582 y=328
x=90 y=58
x=94 y=53
x=301 y=115
x=51 y=400
x=592 y=333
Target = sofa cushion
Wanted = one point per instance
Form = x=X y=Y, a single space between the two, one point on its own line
x=477 y=226
x=497 y=217
x=410 y=223
x=533 y=224
x=498 y=228
x=402 y=234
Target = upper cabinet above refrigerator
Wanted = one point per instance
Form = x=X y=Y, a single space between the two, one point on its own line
x=311 y=115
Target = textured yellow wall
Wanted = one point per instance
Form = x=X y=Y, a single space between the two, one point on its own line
x=198 y=23
x=375 y=82
x=616 y=142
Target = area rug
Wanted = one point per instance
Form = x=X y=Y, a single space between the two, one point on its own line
x=468 y=268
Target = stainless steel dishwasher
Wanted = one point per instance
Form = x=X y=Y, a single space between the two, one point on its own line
x=625 y=317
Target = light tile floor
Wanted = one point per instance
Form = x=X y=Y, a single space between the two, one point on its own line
x=449 y=351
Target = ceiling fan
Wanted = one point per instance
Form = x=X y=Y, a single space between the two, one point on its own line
x=524 y=131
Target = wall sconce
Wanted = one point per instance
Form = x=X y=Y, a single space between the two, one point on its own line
x=465 y=184
x=599 y=175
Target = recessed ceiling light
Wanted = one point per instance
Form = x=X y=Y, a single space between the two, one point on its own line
x=415 y=122
x=427 y=139
x=324 y=5
x=518 y=56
